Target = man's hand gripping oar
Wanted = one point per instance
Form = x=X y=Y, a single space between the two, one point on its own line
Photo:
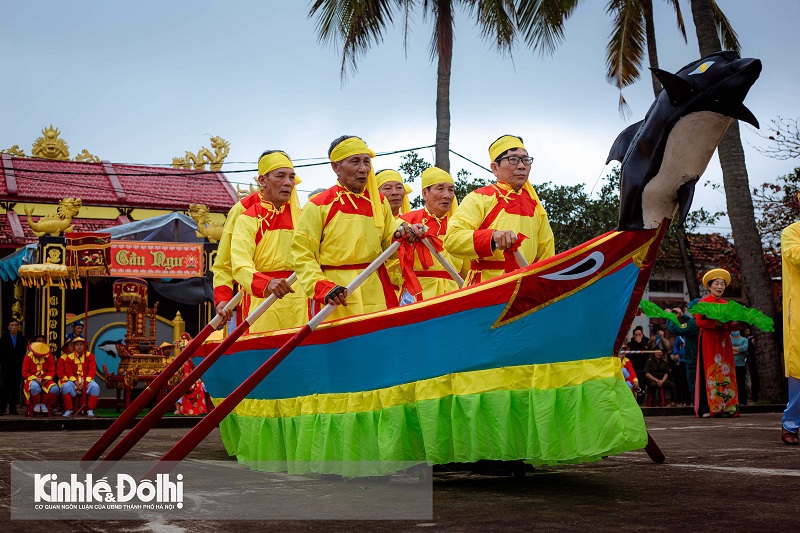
x=135 y=434
x=444 y=262
x=141 y=401
x=188 y=443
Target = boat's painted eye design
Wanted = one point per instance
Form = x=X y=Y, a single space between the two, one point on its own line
x=583 y=268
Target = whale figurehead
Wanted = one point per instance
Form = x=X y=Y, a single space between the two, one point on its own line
x=664 y=155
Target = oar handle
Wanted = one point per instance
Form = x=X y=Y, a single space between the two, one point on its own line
x=520 y=259
x=140 y=429
x=141 y=401
x=444 y=262
x=190 y=441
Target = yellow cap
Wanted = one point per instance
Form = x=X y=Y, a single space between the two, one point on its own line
x=355 y=146
x=40 y=348
x=716 y=273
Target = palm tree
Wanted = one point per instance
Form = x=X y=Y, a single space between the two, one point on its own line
x=358 y=24
x=633 y=29
x=756 y=278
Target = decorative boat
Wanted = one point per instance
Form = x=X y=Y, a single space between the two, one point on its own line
x=519 y=367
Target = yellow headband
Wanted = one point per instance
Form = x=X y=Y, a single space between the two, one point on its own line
x=385 y=176
x=506 y=142
x=711 y=275
x=270 y=162
x=388 y=175
x=350 y=147
x=355 y=146
x=434 y=175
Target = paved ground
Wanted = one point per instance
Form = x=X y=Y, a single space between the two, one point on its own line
x=720 y=474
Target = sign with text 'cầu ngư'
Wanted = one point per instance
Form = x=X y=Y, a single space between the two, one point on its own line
x=156 y=259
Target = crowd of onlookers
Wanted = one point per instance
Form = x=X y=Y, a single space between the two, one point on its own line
x=661 y=369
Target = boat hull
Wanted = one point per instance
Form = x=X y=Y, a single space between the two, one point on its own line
x=519 y=367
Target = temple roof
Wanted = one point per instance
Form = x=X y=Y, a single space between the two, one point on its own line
x=26 y=179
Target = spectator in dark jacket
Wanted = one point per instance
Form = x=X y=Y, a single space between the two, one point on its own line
x=689 y=331
x=13 y=347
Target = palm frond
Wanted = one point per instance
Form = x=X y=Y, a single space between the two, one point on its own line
x=625 y=49
x=496 y=20
x=624 y=108
x=541 y=22
x=676 y=5
x=728 y=37
x=355 y=24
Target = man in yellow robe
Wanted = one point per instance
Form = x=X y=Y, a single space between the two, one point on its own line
x=495 y=220
x=342 y=230
x=790 y=273
x=261 y=244
x=222 y=269
x=438 y=193
x=391 y=186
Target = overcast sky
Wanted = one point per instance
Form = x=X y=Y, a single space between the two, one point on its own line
x=141 y=82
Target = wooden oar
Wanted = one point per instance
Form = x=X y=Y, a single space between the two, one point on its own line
x=190 y=441
x=130 y=413
x=444 y=262
x=139 y=430
x=520 y=259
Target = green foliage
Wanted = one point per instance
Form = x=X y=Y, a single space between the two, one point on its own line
x=777 y=207
x=413 y=165
x=575 y=216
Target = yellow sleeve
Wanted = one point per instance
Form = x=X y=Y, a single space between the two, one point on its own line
x=463 y=238
x=305 y=252
x=222 y=269
x=242 y=252
x=546 y=245
x=790 y=245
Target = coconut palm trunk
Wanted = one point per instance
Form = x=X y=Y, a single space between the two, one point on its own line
x=444 y=49
x=755 y=276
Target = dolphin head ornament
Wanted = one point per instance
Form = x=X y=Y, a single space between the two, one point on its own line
x=664 y=155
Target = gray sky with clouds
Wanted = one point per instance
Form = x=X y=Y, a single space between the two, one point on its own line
x=144 y=81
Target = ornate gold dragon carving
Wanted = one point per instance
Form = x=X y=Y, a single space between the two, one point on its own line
x=205 y=228
x=50 y=146
x=205 y=156
x=86 y=157
x=15 y=151
x=56 y=224
x=242 y=192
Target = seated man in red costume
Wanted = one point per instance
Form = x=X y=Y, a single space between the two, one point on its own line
x=38 y=370
x=78 y=378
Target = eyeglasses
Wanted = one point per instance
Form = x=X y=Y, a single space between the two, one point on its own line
x=514 y=160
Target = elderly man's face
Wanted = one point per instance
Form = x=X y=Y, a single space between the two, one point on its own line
x=77 y=329
x=13 y=327
x=438 y=198
x=352 y=172
x=276 y=186
x=513 y=175
x=394 y=192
